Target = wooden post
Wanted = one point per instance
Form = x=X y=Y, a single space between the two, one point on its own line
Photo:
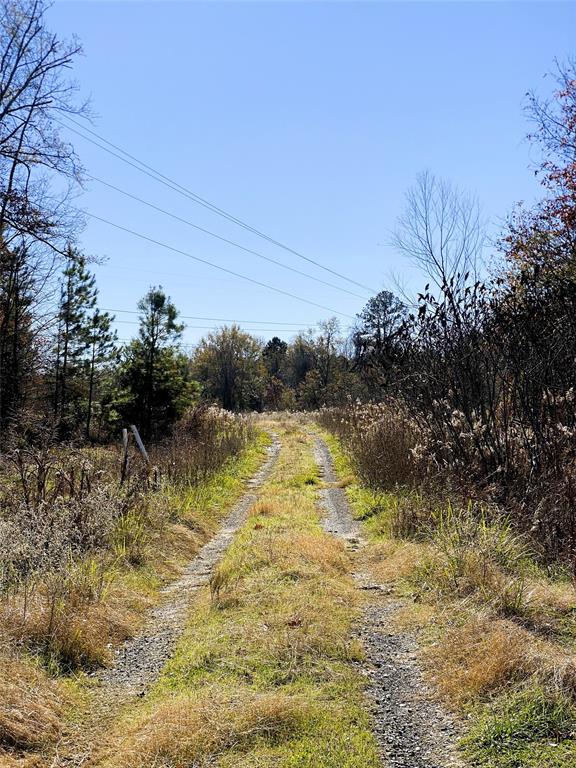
x=139 y=443
x=124 y=470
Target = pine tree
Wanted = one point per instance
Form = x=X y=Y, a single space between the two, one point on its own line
x=17 y=347
x=154 y=385
x=84 y=343
x=101 y=350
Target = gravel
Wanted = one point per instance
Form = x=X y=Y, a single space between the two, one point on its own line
x=412 y=729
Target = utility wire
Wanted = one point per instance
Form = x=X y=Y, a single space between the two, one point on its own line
x=215 y=327
x=222 y=239
x=213 y=319
x=160 y=177
x=215 y=266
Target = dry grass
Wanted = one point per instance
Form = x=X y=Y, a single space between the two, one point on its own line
x=188 y=729
x=72 y=637
x=381 y=440
x=479 y=657
x=30 y=707
x=486 y=655
x=392 y=560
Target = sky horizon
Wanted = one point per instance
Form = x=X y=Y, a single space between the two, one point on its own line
x=307 y=121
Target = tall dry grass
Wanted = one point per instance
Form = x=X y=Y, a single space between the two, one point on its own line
x=71 y=529
x=201 y=443
x=381 y=441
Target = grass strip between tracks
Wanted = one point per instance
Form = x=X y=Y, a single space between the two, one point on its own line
x=264 y=674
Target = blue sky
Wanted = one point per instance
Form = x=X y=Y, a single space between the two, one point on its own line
x=306 y=120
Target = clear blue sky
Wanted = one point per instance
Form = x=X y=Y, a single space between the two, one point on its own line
x=306 y=120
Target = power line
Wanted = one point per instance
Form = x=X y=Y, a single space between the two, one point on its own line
x=175 y=186
x=223 y=239
x=214 y=319
x=215 y=327
x=216 y=266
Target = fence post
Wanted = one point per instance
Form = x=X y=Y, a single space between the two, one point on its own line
x=139 y=443
x=124 y=470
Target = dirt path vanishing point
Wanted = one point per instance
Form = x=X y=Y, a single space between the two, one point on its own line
x=412 y=730
x=139 y=661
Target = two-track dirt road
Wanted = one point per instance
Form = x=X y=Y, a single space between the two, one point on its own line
x=410 y=727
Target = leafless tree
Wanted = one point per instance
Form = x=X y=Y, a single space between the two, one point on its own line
x=440 y=230
x=34 y=92
x=38 y=173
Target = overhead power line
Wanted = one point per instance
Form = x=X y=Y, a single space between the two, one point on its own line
x=216 y=266
x=215 y=319
x=223 y=239
x=174 y=185
x=215 y=327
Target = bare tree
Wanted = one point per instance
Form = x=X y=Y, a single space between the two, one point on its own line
x=34 y=91
x=441 y=230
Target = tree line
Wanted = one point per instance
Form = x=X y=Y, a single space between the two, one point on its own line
x=77 y=381
x=63 y=374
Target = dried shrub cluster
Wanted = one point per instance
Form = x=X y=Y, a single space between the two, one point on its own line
x=380 y=440
x=201 y=443
x=67 y=522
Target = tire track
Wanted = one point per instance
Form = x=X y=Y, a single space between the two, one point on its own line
x=412 y=730
x=137 y=664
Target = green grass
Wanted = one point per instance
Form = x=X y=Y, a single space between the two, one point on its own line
x=531 y=728
x=272 y=638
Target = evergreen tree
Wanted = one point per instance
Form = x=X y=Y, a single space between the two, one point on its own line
x=376 y=339
x=85 y=343
x=77 y=304
x=274 y=357
x=101 y=350
x=17 y=346
x=154 y=385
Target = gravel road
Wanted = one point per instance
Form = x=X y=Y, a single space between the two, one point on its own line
x=412 y=729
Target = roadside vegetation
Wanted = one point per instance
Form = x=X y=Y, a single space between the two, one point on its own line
x=496 y=618
x=82 y=556
x=264 y=674
x=453 y=421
